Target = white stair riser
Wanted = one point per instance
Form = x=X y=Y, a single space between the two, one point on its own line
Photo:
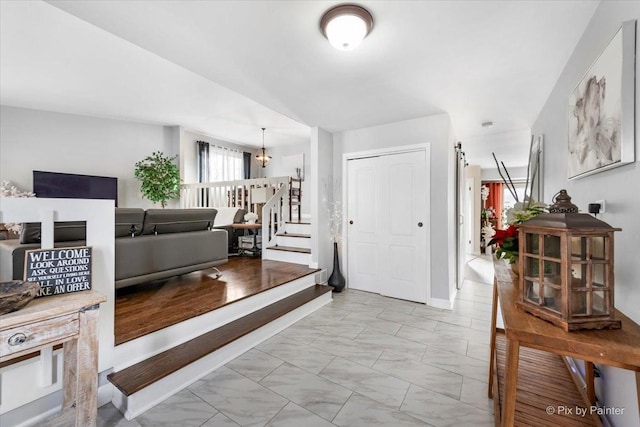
x=297 y=228
x=148 y=397
x=285 y=256
x=140 y=349
x=295 y=242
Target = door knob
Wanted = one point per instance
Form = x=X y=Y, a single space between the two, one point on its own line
x=420 y=224
x=350 y=222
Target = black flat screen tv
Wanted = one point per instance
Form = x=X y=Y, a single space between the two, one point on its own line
x=71 y=186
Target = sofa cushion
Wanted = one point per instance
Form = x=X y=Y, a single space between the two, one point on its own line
x=227 y=216
x=62 y=232
x=129 y=221
x=147 y=255
x=163 y=221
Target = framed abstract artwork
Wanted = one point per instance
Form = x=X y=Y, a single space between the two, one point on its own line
x=601 y=109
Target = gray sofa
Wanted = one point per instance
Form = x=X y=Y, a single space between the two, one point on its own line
x=149 y=245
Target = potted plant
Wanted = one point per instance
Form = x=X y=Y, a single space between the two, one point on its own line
x=159 y=177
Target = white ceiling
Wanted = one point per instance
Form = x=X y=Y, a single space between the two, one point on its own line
x=53 y=61
x=476 y=60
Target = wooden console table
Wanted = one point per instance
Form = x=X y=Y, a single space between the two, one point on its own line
x=618 y=347
x=71 y=320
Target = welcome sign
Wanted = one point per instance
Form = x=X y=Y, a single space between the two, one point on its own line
x=59 y=270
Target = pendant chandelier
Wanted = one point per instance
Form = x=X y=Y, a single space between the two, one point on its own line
x=263 y=158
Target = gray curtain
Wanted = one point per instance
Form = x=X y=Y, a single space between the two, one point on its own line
x=203 y=161
x=203 y=169
x=247 y=165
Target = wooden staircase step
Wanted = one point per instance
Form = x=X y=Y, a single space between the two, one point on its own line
x=303 y=236
x=302 y=221
x=290 y=249
x=136 y=377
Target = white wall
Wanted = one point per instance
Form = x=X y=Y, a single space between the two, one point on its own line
x=516 y=173
x=275 y=168
x=436 y=131
x=41 y=140
x=619 y=187
x=321 y=191
x=511 y=147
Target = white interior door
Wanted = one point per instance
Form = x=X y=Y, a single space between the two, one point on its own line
x=460 y=215
x=387 y=225
x=469 y=229
x=362 y=223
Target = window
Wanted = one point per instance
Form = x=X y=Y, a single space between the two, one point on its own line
x=217 y=164
x=225 y=164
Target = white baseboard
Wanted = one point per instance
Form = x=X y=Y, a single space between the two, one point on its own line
x=321 y=277
x=35 y=412
x=105 y=394
x=452 y=296
x=440 y=303
x=148 y=397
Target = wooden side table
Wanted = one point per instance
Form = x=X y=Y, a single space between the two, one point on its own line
x=616 y=347
x=71 y=320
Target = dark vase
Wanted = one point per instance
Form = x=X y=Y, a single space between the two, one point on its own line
x=336 y=280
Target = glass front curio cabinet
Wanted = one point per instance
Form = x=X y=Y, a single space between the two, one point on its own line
x=566 y=268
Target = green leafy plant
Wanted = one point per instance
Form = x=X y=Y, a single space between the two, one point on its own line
x=159 y=177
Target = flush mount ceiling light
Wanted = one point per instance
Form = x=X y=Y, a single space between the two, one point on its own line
x=346 y=25
x=263 y=158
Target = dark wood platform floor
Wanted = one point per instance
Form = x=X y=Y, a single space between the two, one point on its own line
x=143 y=309
x=140 y=375
x=543 y=381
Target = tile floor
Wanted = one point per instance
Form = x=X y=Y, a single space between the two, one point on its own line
x=361 y=360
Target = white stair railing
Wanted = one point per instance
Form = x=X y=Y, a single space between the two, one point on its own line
x=275 y=213
x=245 y=193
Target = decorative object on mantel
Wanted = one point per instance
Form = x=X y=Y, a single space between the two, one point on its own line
x=601 y=109
x=566 y=268
x=160 y=178
x=251 y=217
x=334 y=214
x=507 y=240
x=9 y=190
x=16 y=294
x=263 y=158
